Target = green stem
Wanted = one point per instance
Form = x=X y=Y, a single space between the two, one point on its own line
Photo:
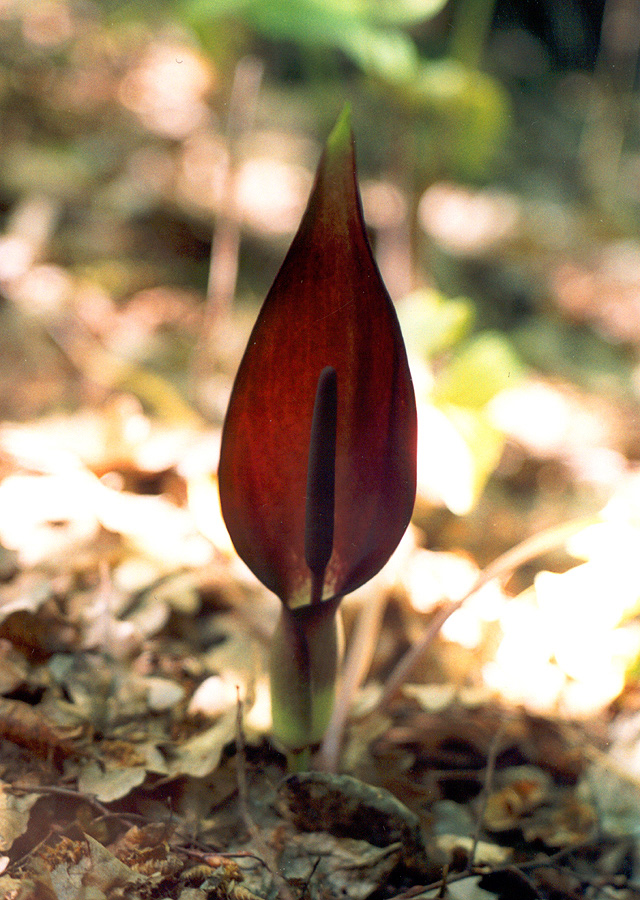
x=304 y=663
x=471 y=24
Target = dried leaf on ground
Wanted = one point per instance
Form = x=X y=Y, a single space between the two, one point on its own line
x=14 y=815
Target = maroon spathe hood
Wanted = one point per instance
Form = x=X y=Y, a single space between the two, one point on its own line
x=328 y=307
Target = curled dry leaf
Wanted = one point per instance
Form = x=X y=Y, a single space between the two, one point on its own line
x=14 y=816
x=23 y=725
x=526 y=788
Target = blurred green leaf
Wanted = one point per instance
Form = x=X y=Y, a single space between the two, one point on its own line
x=462 y=451
x=465 y=446
x=432 y=323
x=472 y=112
x=359 y=29
x=399 y=12
x=466 y=111
x=484 y=442
x=485 y=366
x=209 y=9
x=379 y=12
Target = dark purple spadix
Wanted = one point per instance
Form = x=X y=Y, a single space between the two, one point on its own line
x=321 y=477
x=322 y=497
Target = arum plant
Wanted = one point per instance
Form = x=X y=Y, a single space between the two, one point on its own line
x=317 y=470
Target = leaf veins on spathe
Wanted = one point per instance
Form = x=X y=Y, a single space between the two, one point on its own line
x=328 y=309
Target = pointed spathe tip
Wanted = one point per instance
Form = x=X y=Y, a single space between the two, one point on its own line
x=341 y=136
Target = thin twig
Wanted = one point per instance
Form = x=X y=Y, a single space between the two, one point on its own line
x=91 y=799
x=225 y=242
x=223 y=268
x=487 y=787
x=368 y=627
x=422 y=891
x=356 y=667
x=504 y=565
x=305 y=887
x=54 y=831
x=268 y=857
x=210 y=855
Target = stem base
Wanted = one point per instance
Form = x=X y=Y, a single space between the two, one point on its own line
x=305 y=653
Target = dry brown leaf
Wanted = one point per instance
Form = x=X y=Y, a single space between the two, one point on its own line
x=569 y=821
x=13 y=668
x=524 y=789
x=111 y=784
x=27 y=592
x=121 y=767
x=146 y=850
x=25 y=726
x=99 y=868
x=346 y=868
x=14 y=816
x=200 y=755
x=9 y=887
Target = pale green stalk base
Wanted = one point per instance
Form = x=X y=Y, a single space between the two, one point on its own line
x=305 y=652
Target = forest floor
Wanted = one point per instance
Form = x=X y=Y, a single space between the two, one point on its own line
x=135 y=756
